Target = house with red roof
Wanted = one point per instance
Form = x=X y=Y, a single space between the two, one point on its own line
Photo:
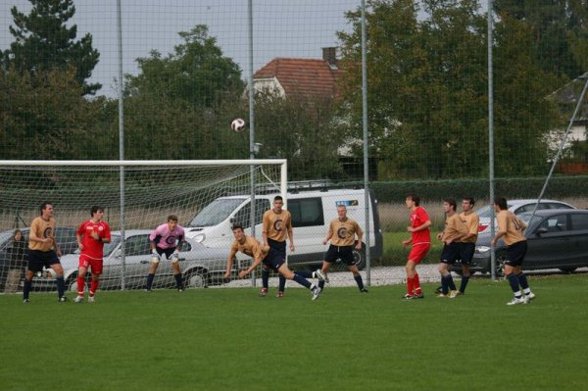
x=300 y=77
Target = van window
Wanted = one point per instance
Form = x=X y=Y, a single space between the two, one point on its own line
x=306 y=212
x=243 y=216
x=216 y=212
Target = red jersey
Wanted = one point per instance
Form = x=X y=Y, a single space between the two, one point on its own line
x=93 y=248
x=419 y=217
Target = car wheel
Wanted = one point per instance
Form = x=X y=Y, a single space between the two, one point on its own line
x=568 y=270
x=195 y=279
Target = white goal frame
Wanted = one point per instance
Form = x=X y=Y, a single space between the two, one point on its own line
x=154 y=163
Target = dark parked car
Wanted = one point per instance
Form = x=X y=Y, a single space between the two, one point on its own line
x=66 y=238
x=557 y=238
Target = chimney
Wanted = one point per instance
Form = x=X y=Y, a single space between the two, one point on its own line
x=330 y=56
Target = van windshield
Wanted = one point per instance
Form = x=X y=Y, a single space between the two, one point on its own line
x=216 y=212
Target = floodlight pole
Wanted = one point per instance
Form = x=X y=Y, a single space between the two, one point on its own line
x=364 y=105
x=491 y=137
x=251 y=122
x=121 y=141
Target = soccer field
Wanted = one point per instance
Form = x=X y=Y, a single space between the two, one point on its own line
x=217 y=339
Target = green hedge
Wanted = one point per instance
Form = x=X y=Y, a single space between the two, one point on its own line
x=558 y=187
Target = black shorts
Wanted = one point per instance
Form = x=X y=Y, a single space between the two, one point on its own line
x=273 y=260
x=280 y=247
x=167 y=251
x=344 y=253
x=466 y=253
x=450 y=253
x=515 y=253
x=39 y=259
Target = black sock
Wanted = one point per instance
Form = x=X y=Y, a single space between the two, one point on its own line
x=359 y=281
x=322 y=284
x=450 y=282
x=178 y=278
x=26 y=289
x=464 y=283
x=305 y=273
x=301 y=280
x=281 y=283
x=514 y=282
x=523 y=280
x=444 y=285
x=149 y=283
x=264 y=278
x=60 y=286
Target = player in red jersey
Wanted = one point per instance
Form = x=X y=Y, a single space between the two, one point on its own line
x=421 y=243
x=91 y=235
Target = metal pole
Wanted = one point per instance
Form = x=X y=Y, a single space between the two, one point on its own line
x=364 y=105
x=121 y=139
x=491 y=134
x=251 y=122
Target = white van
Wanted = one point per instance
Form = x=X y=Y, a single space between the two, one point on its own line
x=312 y=211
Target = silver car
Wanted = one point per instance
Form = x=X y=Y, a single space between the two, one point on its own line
x=201 y=266
x=518 y=207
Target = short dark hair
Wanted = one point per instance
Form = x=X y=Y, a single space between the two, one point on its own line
x=470 y=200
x=415 y=198
x=278 y=198
x=237 y=226
x=95 y=209
x=451 y=202
x=501 y=202
x=44 y=205
x=172 y=218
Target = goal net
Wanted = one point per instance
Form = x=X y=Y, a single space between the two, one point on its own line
x=137 y=196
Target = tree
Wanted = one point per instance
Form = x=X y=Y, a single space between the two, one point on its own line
x=45 y=117
x=559 y=32
x=301 y=129
x=426 y=86
x=197 y=72
x=44 y=42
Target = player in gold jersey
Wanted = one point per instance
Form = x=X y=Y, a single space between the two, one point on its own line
x=277 y=227
x=510 y=229
x=468 y=244
x=263 y=254
x=452 y=235
x=44 y=252
x=345 y=235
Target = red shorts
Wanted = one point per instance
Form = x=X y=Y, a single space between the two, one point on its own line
x=418 y=252
x=90 y=263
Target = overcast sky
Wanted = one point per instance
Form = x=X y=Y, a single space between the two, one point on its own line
x=282 y=28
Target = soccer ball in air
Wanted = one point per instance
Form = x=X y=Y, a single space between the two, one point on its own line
x=238 y=125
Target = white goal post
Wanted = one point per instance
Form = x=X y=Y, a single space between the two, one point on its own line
x=137 y=196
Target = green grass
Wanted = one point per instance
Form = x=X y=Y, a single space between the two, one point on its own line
x=230 y=339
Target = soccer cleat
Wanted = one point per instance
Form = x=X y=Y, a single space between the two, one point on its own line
x=413 y=296
x=530 y=296
x=517 y=300
x=180 y=289
x=62 y=299
x=79 y=299
x=316 y=292
x=438 y=290
x=280 y=295
x=263 y=292
x=453 y=294
x=321 y=275
x=443 y=295
x=363 y=290
x=26 y=301
x=91 y=299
